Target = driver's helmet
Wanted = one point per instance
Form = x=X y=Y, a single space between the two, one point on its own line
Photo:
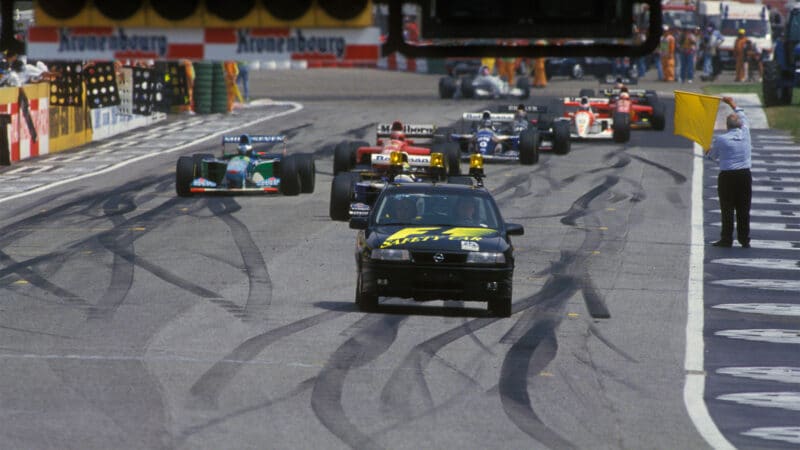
x=485 y=71
x=521 y=114
x=245 y=149
x=486 y=123
x=624 y=96
x=397 y=136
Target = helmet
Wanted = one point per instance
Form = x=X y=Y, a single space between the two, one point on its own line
x=484 y=70
x=244 y=149
x=486 y=123
x=624 y=96
x=245 y=139
x=397 y=126
x=741 y=30
x=521 y=113
x=584 y=101
x=398 y=136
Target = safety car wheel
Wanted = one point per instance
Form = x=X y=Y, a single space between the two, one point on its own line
x=308 y=171
x=343 y=158
x=290 y=176
x=501 y=307
x=467 y=89
x=447 y=87
x=561 y=142
x=586 y=93
x=621 y=128
x=366 y=300
x=659 y=119
x=529 y=146
x=524 y=85
x=341 y=195
x=184 y=174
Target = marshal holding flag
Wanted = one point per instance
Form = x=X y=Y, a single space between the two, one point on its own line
x=695 y=115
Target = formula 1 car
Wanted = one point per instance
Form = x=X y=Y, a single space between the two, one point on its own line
x=362 y=171
x=596 y=118
x=506 y=137
x=483 y=85
x=428 y=241
x=246 y=170
x=645 y=108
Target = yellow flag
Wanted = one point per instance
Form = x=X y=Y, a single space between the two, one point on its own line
x=695 y=115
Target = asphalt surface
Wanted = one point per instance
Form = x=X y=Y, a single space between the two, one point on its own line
x=132 y=318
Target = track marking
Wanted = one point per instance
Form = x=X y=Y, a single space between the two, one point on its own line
x=770 y=309
x=783 y=400
x=757 y=283
x=772 y=335
x=785 y=434
x=694 y=388
x=779 y=374
x=295 y=107
x=760 y=263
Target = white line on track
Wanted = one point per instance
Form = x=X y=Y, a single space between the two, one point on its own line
x=779 y=374
x=767 y=213
x=295 y=107
x=758 y=283
x=779 y=162
x=759 y=263
x=785 y=434
x=775 y=245
x=772 y=335
x=694 y=388
x=783 y=400
x=768 y=309
x=768 y=226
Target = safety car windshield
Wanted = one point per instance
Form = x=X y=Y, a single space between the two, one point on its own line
x=437 y=209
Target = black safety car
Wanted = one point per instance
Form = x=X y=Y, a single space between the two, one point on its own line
x=429 y=241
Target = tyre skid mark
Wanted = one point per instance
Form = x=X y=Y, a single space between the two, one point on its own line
x=259 y=295
x=377 y=335
x=207 y=389
x=580 y=206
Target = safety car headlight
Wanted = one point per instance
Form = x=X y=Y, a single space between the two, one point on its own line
x=388 y=254
x=486 y=258
x=437 y=160
x=396 y=158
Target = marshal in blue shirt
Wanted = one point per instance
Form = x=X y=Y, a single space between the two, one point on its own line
x=732 y=148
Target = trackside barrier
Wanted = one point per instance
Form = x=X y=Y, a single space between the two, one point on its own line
x=108 y=121
x=69 y=127
x=5 y=148
x=29 y=129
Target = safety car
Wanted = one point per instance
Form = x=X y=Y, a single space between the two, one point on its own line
x=247 y=169
x=429 y=241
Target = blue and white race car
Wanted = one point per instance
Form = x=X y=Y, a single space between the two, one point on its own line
x=247 y=170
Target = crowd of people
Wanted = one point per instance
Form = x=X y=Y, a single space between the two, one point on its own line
x=16 y=71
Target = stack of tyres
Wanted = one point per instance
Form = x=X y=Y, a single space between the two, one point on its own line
x=203 y=87
x=219 y=90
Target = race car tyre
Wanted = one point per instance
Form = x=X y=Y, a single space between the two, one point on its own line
x=460 y=179
x=561 y=141
x=774 y=94
x=658 y=120
x=198 y=163
x=308 y=171
x=529 y=146
x=184 y=174
x=524 y=85
x=354 y=146
x=447 y=87
x=366 y=300
x=452 y=156
x=586 y=93
x=342 y=188
x=443 y=135
x=467 y=89
x=290 y=176
x=343 y=158
x=621 y=128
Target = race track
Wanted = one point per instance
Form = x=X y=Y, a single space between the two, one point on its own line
x=132 y=318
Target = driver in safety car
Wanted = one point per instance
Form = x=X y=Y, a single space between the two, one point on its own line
x=466 y=212
x=402 y=210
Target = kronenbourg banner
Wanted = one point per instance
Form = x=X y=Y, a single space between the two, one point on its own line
x=695 y=115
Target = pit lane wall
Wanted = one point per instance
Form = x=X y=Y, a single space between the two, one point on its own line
x=34 y=127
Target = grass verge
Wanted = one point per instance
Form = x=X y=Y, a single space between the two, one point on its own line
x=779 y=117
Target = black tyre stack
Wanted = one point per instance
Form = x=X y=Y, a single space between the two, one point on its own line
x=203 y=86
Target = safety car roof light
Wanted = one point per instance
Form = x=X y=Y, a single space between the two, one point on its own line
x=476 y=161
x=396 y=158
x=437 y=160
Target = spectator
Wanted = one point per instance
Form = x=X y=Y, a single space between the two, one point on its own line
x=688 y=47
x=243 y=79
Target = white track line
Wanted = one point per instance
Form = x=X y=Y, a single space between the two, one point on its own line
x=693 y=390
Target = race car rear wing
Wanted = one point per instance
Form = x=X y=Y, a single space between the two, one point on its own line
x=494 y=117
x=611 y=79
x=528 y=108
x=255 y=138
x=632 y=92
x=410 y=130
x=595 y=100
